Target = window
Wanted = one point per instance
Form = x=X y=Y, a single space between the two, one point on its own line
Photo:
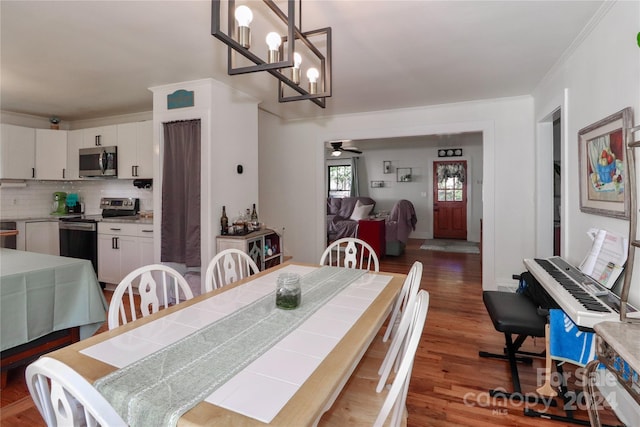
x=339 y=180
x=450 y=182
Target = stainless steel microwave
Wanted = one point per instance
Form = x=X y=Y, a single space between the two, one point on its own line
x=98 y=162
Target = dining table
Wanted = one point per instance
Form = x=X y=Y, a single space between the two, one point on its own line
x=231 y=357
x=46 y=302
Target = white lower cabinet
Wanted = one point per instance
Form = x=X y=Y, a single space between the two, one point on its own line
x=123 y=247
x=42 y=237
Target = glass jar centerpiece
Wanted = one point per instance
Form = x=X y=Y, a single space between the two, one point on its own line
x=288 y=291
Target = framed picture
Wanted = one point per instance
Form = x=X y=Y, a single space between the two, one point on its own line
x=603 y=166
x=377 y=184
x=386 y=166
x=403 y=175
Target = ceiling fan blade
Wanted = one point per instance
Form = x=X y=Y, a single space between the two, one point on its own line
x=352 y=150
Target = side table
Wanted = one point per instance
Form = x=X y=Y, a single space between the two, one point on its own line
x=618 y=349
x=372 y=231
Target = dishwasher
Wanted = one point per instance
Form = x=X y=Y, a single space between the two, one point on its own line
x=79 y=239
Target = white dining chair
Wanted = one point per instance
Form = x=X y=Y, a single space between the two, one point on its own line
x=157 y=285
x=400 y=340
x=350 y=252
x=359 y=403
x=411 y=286
x=228 y=266
x=64 y=398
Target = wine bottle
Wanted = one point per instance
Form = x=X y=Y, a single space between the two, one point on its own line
x=224 y=222
x=254 y=214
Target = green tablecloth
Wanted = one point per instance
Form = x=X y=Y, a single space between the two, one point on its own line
x=40 y=294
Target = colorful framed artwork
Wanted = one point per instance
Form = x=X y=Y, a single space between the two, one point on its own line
x=603 y=166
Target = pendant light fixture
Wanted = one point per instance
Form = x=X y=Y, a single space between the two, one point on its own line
x=288 y=50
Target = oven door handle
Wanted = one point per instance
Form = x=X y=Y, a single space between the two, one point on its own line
x=81 y=226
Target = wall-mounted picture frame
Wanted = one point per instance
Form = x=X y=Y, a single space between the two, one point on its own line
x=403 y=175
x=603 y=166
x=386 y=166
x=377 y=184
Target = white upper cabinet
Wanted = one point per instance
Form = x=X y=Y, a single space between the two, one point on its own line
x=17 y=152
x=135 y=150
x=51 y=154
x=103 y=136
x=75 y=141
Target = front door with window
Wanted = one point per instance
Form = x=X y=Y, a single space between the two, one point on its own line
x=450 y=200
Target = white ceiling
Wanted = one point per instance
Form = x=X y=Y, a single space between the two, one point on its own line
x=88 y=59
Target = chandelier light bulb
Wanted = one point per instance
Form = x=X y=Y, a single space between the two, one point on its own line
x=295 y=71
x=312 y=75
x=273 y=41
x=244 y=16
x=335 y=153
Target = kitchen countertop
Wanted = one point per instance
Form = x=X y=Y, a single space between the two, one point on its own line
x=98 y=218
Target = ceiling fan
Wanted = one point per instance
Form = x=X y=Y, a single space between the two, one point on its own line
x=338 y=148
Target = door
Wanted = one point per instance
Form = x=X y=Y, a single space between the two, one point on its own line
x=450 y=200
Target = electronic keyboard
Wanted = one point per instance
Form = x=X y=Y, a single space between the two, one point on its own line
x=580 y=296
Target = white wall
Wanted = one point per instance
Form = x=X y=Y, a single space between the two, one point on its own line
x=229 y=137
x=599 y=77
x=292 y=173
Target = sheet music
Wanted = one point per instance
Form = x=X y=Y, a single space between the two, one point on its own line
x=607 y=256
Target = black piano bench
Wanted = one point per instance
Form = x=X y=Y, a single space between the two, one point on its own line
x=513 y=314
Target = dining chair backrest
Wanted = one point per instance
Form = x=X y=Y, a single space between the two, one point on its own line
x=397 y=396
x=399 y=342
x=157 y=285
x=228 y=266
x=350 y=252
x=411 y=286
x=64 y=398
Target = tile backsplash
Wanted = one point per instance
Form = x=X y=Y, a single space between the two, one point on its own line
x=36 y=199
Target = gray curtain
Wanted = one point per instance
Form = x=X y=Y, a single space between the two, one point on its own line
x=355 y=180
x=180 y=228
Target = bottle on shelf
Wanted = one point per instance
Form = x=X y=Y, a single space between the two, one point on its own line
x=224 y=222
x=254 y=214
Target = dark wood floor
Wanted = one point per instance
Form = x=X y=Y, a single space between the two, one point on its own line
x=450 y=382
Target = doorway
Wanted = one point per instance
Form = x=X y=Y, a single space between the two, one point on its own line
x=557 y=184
x=450 y=199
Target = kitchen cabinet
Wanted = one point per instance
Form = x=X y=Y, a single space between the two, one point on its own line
x=42 y=237
x=123 y=247
x=135 y=150
x=263 y=246
x=17 y=152
x=75 y=141
x=51 y=154
x=103 y=136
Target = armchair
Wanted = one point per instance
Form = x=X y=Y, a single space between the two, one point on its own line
x=401 y=222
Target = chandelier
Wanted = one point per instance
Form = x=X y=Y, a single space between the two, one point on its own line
x=285 y=52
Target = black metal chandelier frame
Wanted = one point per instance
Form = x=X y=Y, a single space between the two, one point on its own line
x=293 y=34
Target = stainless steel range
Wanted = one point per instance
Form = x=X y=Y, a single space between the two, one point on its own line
x=79 y=235
x=114 y=206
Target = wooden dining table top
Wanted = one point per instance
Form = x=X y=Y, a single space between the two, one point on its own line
x=313 y=396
